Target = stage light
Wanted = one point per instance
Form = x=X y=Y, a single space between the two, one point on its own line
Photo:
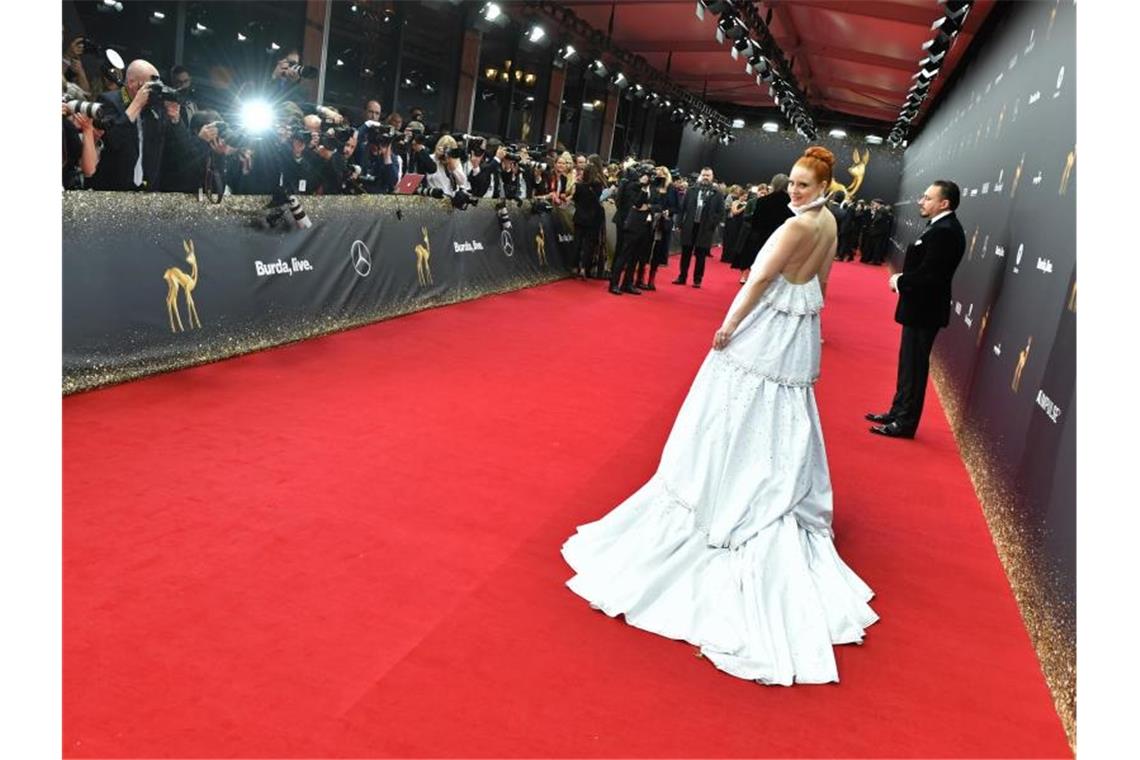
x=947 y=25
x=731 y=28
x=874 y=140
x=839 y=133
x=241 y=37
x=956 y=8
x=273 y=46
x=567 y=53
x=159 y=15
x=491 y=12
x=257 y=116
x=619 y=81
x=598 y=69
x=535 y=34
x=716 y=6
x=742 y=46
x=940 y=44
x=738 y=123
x=770 y=126
x=926 y=74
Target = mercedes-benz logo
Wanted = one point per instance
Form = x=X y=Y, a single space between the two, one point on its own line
x=361 y=258
x=507 y=243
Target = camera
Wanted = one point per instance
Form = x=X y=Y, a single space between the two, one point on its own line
x=329 y=141
x=84 y=108
x=539 y=206
x=462 y=199
x=503 y=216
x=300 y=134
x=657 y=181
x=305 y=72
x=88 y=46
x=512 y=156
x=235 y=138
x=162 y=93
x=429 y=192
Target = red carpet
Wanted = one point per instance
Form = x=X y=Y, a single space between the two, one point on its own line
x=349 y=547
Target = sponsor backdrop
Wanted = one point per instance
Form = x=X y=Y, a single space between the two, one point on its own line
x=865 y=171
x=1005 y=131
x=157 y=282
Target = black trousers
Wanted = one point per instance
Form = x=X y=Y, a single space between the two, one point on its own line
x=587 y=241
x=914 y=369
x=686 y=257
x=634 y=249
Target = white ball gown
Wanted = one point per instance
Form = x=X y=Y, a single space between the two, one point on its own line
x=729 y=545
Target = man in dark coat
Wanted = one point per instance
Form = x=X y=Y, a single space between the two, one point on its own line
x=924 y=305
x=700 y=217
x=768 y=213
x=137 y=128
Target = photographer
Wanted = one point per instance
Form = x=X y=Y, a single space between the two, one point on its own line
x=377 y=158
x=299 y=170
x=80 y=149
x=285 y=81
x=663 y=211
x=73 y=70
x=138 y=120
x=637 y=230
x=512 y=184
x=449 y=176
x=417 y=159
x=482 y=170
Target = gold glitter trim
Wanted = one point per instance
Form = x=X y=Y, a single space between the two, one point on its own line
x=1049 y=619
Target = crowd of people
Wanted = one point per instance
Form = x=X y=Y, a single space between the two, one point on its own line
x=133 y=130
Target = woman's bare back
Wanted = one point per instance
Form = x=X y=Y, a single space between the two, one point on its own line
x=815 y=257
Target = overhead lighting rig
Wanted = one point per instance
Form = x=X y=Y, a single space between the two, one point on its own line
x=945 y=29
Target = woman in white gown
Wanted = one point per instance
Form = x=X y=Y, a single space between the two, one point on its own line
x=729 y=544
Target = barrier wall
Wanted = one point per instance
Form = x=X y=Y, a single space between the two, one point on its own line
x=1005 y=131
x=155 y=282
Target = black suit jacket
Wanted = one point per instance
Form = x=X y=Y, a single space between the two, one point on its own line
x=712 y=214
x=121 y=145
x=768 y=214
x=928 y=270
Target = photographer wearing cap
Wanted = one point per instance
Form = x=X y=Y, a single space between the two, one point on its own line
x=138 y=119
x=512 y=183
x=449 y=175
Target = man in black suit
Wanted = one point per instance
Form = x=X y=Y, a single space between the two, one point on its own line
x=924 y=304
x=137 y=127
x=701 y=214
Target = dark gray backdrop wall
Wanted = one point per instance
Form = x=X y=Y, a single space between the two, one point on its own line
x=757 y=155
x=1005 y=131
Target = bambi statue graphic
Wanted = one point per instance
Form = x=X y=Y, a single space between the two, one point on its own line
x=423 y=259
x=1022 y=358
x=540 y=244
x=177 y=280
x=856 y=171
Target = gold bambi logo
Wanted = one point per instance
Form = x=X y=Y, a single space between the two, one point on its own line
x=540 y=245
x=1022 y=358
x=973 y=242
x=1073 y=298
x=177 y=280
x=857 y=170
x=423 y=259
x=982 y=326
x=1067 y=173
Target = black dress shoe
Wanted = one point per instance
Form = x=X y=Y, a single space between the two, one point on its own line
x=615 y=291
x=696 y=284
x=631 y=291
x=892 y=430
x=882 y=419
x=679 y=281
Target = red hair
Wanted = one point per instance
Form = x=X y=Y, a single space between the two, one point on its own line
x=819 y=161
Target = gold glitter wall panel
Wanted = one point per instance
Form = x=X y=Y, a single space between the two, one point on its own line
x=1005 y=131
x=155 y=282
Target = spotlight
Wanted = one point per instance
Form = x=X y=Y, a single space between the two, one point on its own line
x=956 y=8
x=940 y=44
x=838 y=133
x=535 y=37
x=729 y=27
x=257 y=116
x=241 y=37
x=947 y=25
x=738 y=123
x=567 y=53
x=770 y=126
x=598 y=69
x=874 y=140
x=926 y=73
x=716 y=6
x=758 y=64
x=491 y=12
x=619 y=81
x=742 y=46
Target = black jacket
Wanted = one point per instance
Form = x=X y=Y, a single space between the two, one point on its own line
x=928 y=270
x=588 y=210
x=121 y=145
x=711 y=215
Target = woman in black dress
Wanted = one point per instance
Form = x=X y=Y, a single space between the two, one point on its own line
x=663 y=205
x=588 y=217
